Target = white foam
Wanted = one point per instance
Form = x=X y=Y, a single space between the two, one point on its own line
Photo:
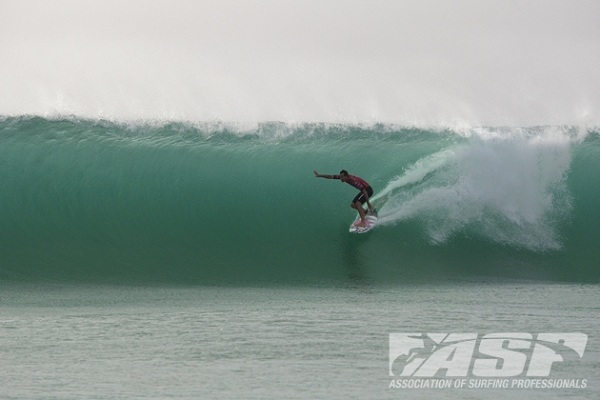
x=511 y=190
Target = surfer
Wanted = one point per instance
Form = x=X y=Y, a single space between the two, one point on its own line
x=366 y=191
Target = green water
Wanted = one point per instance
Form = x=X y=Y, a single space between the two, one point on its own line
x=73 y=342
x=101 y=202
x=206 y=261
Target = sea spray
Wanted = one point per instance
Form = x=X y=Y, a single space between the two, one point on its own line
x=508 y=188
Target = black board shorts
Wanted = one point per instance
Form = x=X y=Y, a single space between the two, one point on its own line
x=361 y=197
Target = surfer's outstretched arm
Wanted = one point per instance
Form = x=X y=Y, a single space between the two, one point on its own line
x=318 y=175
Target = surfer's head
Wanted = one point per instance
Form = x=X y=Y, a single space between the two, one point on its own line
x=343 y=175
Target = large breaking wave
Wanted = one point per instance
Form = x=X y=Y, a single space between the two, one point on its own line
x=99 y=201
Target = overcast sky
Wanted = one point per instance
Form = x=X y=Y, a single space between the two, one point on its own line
x=477 y=61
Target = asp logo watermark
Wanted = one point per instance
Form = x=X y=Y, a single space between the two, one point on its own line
x=499 y=356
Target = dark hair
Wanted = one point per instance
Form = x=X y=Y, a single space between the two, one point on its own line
x=343 y=172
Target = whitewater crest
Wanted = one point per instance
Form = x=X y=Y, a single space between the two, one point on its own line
x=510 y=189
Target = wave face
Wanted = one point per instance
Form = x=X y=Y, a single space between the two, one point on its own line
x=97 y=201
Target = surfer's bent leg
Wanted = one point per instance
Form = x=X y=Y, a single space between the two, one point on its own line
x=357 y=203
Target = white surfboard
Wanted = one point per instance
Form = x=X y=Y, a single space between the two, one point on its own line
x=371 y=222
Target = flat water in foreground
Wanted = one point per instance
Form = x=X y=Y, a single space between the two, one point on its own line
x=74 y=342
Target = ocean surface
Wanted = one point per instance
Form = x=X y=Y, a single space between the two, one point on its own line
x=162 y=259
x=62 y=341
